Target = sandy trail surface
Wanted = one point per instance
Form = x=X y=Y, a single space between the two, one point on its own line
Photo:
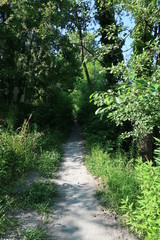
x=77 y=214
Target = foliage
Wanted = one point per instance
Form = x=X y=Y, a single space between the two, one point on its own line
x=136 y=99
x=111 y=49
x=81 y=106
x=94 y=129
x=40 y=66
x=146 y=24
x=80 y=96
x=144 y=217
x=132 y=190
x=42 y=53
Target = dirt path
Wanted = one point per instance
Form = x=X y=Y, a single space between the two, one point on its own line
x=76 y=214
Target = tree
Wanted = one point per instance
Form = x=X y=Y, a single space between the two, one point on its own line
x=36 y=51
x=112 y=44
x=81 y=16
x=136 y=99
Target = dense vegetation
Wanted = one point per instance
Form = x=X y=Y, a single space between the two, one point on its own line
x=54 y=67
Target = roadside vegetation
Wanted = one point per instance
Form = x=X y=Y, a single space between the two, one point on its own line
x=129 y=186
x=31 y=138
x=30 y=155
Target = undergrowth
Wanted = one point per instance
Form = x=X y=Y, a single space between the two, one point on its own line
x=130 y=187
x=38 y=196
x=17 y=153
x=117 y=177
x=144 y=217
x=21 y=152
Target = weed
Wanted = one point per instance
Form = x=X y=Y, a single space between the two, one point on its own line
x=6 y=221
x=34 y=234
x=143 y=214
x=117 y=176
x=97 y=161
x=121 y=183
x=21 y=152
x=38 y=196
x=130 y=190
x=17 y=154
x=48 y=163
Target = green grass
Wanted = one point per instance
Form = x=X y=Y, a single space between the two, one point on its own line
x=39 y=196
x=48 y=163
x=17 y=155
x=6 y=221
x=34 y=234
x=117 y=177
x=129 y=187
x=22 y=152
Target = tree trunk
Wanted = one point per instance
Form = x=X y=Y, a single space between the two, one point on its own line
x=106 y=17
x=82 y=52
x=10 y=93
x=83 y=62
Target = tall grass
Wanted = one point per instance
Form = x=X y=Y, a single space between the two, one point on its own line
x=130 y=187
x=17 y=153
x=117 y=176
x=22 y=151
